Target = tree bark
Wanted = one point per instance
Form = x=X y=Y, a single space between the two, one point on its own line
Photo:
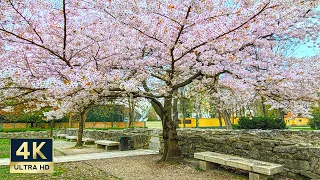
x=81 y=127
x=197 y=104
x=227 y=120
x=51 y=128
x=220 y=119
x=170 y=137
x=281 y=113
x=70 y=120
x=131 y=110
x=264 y=110
x=183 y=102
x=175 y=110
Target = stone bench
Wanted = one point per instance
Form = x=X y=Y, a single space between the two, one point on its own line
x=72 y=138
x=62 y=135
x=88 y=141
x=108 y=145
x=258 y=170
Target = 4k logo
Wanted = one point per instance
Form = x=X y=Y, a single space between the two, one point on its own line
x=23 y=150
x=31 y=156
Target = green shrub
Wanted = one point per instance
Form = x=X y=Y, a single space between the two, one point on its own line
x=315 y=121
x=236 y=126
x=153 y=119
x=261 y=123
x=109 y=128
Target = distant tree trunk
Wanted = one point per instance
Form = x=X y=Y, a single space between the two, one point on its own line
x=197 y=104
x=131 y=110
x=51 y=128
x=281 y=113
x=227 y=119
x=220 y=119
x=184 y=112
x=264 y=110
x=232 y=115
x=175 y=109
x=70 y=120
x=183 y=102
x=170 y=136
x=81 y=127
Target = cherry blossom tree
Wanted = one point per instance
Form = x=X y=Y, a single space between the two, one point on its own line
x=57 y=54
x=179 y=42
x=76 y=53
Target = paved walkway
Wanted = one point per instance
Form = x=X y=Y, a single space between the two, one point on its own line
x=84 y=157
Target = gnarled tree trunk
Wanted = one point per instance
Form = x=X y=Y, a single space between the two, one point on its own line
x=170 y=136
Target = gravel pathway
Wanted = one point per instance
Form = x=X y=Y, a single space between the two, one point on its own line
x=148 y=167
x=64 y=148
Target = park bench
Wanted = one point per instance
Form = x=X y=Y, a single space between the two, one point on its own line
x=62 y=135
x=72 y=138
x=258 y=170
x=88 y=141
x=108 y=145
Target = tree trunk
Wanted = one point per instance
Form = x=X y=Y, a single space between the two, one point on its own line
x=70 y=120
x=220 y=119
x=51 y=128
x=170 y=137
x=281 y=113
x=183 y=102
x=227 y=120
x=131 y=110
x=197 y=104
x=80 y=130
x=264 y=110
x=175 y=110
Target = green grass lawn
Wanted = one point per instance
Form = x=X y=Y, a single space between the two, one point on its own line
x=24 y=129
x=76 y=170
x=4 y=148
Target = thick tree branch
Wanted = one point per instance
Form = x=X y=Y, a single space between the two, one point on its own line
x=186 y=82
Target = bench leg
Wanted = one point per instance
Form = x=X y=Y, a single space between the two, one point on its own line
x=108 y=148
x=205 y=165
x=101 y=146
x=88 y=143
x=255 y=176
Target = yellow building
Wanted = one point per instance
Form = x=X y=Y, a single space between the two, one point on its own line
x=298 y=121
x=214 y=122
x=205 y=122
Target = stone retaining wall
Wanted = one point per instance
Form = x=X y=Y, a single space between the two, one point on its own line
x=27 y=134
x=298 y=151
x=139 y=137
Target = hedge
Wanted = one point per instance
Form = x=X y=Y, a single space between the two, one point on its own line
x=261 y=123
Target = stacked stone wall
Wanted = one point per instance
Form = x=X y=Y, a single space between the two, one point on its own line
x=297 y=151
x=139 y=138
